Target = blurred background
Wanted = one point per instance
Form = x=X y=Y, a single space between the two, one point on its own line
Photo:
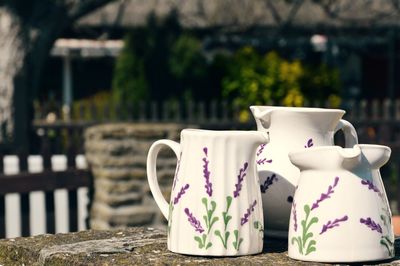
x=69 y=65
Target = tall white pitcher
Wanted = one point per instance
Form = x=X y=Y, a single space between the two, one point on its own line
x=291 y=128
x=215 y=207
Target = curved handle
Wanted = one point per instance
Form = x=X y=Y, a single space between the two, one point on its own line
x=152 y=171
x=350 y=133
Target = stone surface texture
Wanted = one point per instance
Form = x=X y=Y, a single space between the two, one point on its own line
x=132 y=246
x=117 y=156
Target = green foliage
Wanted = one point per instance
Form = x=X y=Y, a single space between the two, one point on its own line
x=186 y=59
x=254 y=79
x=159 y=62
x=130 y=83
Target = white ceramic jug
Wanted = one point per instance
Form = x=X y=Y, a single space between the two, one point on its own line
x=215 y=207
x=340 y=212
x=290 y=128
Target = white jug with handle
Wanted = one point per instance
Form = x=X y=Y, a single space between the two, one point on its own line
x=340 y=212
x=215 y=207
x=291 y=128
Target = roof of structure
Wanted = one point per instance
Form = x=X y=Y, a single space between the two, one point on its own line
x=324 y=14
x=86 y=48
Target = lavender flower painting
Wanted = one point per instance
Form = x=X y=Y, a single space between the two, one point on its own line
x=371 y=186
x=263 y=161
x=246 y=216
x=180 y=193
x=309 y=144
x=240 y=177
x=260 y=150
x=193 y=221
x=206 y=173
x=268 y=182
x=294 y=215
x=326 y=195
x=371 y=224
x=335 y=223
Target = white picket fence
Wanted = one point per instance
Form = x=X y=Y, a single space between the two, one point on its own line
x=37 y=219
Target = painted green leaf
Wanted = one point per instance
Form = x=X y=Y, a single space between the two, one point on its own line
x=214 y=220
x=311 y=244
x=303 y=224
x=208 y=245
x=198 y=239
x=307 y=236
x=313 y=220
x=299 y=243
x=312 y=249
x=213 y=205
x=229 y=201
x=204 y=200
x=307 y=209
x=255 y=225
x=205 y=220
x=204 y=236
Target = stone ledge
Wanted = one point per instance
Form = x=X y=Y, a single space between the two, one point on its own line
x=133 y=246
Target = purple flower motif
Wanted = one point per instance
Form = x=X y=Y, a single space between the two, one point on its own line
x=371 y=224
x=335 y=223
x=194 y=222
x=263 y=160
x=180 y=193
x=371 y=186
x=309 y=144
x=294 y=213
x=327 y=195
x=242 y=174
x=246 y=216
x=260 y=150
x=206 y=173
x=178 y=165
x=269 y=181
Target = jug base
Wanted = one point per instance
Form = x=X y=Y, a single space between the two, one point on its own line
x=222 y=253
x=345 y=258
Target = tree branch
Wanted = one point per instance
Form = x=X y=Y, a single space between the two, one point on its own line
x=80 y=8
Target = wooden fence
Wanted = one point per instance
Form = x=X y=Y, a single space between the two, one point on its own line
x=40 y=194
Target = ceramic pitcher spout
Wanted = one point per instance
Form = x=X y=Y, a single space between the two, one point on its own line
x=376 y=155
x=262 y=115
x=260 y=138
x=323 y=119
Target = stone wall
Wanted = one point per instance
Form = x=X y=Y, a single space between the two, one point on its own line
x=117 y=156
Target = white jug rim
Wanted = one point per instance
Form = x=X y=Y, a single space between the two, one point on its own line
x=219 y=132
x=338 y=149
x=297 y=109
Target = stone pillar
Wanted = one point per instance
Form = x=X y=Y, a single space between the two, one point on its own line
x=117 y=156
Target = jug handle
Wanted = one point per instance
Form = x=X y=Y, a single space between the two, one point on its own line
x=152 y=171
x=350 y=133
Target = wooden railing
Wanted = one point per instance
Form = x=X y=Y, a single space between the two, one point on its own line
x=39 y=195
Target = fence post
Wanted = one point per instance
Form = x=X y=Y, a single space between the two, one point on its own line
x=189 y=110
x=201 y=112
x=49 y=196
x=154 y=112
